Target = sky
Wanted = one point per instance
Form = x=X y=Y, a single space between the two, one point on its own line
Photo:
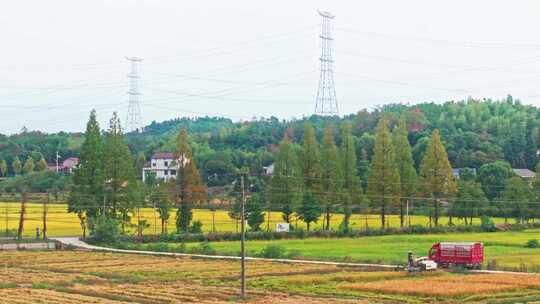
x=247 y=59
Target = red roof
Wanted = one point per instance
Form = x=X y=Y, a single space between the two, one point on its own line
x=67 y=164
x=163 y=155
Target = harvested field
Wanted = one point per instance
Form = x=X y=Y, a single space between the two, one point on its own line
x=87 y=277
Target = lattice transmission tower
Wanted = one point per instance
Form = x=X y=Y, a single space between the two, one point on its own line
x=134 y=122
x=326 y=102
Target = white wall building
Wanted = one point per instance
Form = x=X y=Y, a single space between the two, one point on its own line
x=161 y=164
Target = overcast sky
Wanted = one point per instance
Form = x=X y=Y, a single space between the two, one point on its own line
x=244 y=59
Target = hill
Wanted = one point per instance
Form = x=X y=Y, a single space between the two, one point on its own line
x=474 y=132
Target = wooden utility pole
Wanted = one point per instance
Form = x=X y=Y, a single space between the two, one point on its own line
x=242 y=241
x=7 y=219
x=22 y=215
x=45 y=211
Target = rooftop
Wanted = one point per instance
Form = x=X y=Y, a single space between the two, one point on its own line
x=524 y=173
x=163 y=155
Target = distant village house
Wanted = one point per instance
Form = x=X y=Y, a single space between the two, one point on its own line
x=163 y=166
x=66 y=166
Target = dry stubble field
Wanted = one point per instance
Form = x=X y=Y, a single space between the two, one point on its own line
x=84 y=277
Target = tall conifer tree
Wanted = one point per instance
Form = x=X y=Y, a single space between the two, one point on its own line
x=3 y=167
x=29 y=165
x=122 y=192
x=310 y=161
x=188 y=188
x=351 y=181
x=332 y=177
x=405 y=164
x=41 y=165
x=383 y=181
x=88 y=177
x=16 y=165
x=286 y=184
x=436 y=177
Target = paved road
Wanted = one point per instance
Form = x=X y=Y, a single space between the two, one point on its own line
x=76 y=242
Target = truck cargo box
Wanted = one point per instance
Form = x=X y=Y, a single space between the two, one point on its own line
x=470 y=254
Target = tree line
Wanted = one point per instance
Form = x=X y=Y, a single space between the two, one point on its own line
x=107 y=191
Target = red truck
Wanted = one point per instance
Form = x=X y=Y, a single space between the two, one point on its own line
x=470 y=255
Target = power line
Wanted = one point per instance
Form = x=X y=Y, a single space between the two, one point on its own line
x=465 y=44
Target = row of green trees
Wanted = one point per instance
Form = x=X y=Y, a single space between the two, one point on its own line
x=106 y=188
x=18 y=167
x=313 y=180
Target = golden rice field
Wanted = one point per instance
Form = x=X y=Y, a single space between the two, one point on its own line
x=61 y=223
x=90 y=277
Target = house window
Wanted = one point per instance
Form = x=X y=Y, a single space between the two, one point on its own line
x=166 y=172
x=153 y=164
x=166 y=163
x=173 y=172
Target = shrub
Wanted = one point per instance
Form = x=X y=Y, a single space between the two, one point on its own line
x=204 y=248
x=487 y=224
x=292 y=254
x=180 y=248
x=273 y=251
x=533 y=243
x=159 y=247
x=106 y=229
x=8 y=233
x=196 y=227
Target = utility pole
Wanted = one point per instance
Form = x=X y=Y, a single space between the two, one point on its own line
x=326 y=102
x=242 y=242
x=7 y=219
x=45 y=212
x=134 y=121
x=57 y=157
x=155 y=219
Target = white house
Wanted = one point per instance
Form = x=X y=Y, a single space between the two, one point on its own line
x=163 y=166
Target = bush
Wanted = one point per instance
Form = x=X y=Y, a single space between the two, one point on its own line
x=533 y=243
x=180 y=248
x=273 y=251
x=106 y=229
x=8 y=233
x=196 y=227
x=204 y=248
x=487 y=224
x=292 y=254
x=159 y=247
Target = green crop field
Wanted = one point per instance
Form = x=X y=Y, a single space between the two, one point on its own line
x=506 y=249
x=62 y=223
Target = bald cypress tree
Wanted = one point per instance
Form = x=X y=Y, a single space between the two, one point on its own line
x=332 y=177
x=41 y=165
x=29 y=165
x=188 y=188
x=351 y=180
x=16 y=165
x=310 y=161
x=383 y=181
x=122 y=195
x=3 y=167
x=405 y=164
x=436 y=178
x=88 y=176
x=286 y=184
